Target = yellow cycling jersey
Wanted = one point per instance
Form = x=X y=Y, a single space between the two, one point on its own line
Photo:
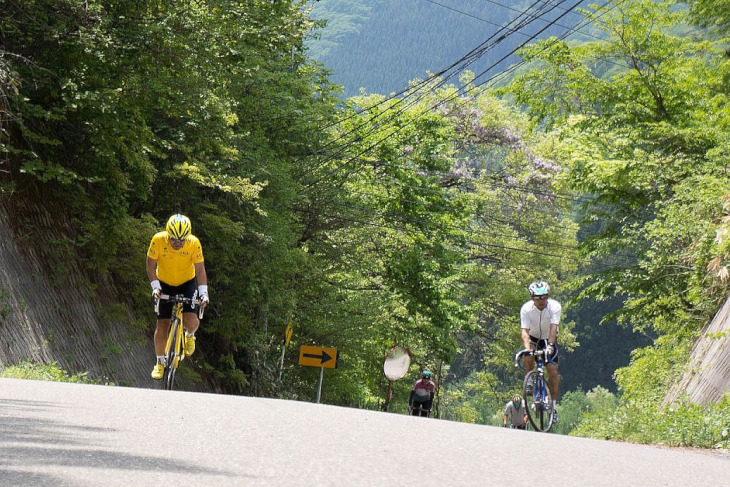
x=175 y=267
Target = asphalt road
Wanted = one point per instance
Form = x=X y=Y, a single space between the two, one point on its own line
x=58 y=434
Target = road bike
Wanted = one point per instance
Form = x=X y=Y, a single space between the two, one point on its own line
x=175 y=345
x=538 y=401
x=419 y=408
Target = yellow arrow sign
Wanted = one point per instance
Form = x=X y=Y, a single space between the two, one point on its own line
x=318 y=356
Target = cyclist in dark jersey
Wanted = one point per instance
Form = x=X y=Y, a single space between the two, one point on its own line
x=422 y=394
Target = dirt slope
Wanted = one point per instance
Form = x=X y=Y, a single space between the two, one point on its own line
x=708 y=374
x=51 y=312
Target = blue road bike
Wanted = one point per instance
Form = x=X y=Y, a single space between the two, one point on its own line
x=538 y=401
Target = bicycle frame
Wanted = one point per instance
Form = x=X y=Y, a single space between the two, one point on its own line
x=175 y=345
x=419 y=407
x=538 y=400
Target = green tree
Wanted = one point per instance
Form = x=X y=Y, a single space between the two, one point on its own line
x=127 y=112
x=640 y=120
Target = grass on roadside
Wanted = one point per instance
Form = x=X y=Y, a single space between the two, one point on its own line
x=49 y=372
x=682 y=424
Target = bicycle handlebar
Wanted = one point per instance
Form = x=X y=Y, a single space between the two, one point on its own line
x=541 y=354
x=179 y=298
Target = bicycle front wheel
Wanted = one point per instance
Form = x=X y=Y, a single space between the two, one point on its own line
x=538 y=401
x=172 y=353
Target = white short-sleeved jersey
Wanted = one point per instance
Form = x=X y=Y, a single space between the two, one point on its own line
x=538 y=322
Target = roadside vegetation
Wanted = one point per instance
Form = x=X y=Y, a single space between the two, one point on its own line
x=50 y=372
x=682 y=424
x=375 y=221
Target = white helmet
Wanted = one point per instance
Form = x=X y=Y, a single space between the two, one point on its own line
x=539 y=288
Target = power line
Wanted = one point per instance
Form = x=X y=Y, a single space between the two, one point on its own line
x=507 y=7
x=413 y=88
x=441 y=102
x=444 y=100
x=446 y=204
x=464 y=13
x=468 y=89
x=372 y=146
x=466 y=60
x=471 y=55
x=405 y=230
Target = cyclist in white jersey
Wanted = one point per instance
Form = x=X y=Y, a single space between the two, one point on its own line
x=539 y=320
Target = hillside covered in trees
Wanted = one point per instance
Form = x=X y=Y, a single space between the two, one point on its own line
x=373 y=221
x=381 y=45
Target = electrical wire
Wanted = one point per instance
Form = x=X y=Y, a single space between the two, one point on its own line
x=441 y=102
x=474 y=86
x=463 y=63
x=466 y=90
x=465 y=60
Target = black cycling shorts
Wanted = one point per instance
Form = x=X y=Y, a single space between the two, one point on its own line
x=541 y=344
x=189 y=289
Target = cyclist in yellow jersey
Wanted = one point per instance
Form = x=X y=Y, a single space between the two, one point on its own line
x=175 y=266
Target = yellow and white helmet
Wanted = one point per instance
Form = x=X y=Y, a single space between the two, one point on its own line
x=178 y=227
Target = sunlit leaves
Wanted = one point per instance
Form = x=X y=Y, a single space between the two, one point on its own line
x=640 y=122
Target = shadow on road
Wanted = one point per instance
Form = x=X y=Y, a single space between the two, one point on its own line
x=27 y=443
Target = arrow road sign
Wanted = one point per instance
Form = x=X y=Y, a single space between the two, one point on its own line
x=322 y=358
x=318 y=356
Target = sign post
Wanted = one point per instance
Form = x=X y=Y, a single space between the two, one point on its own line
x=324 y=358
x=319 y=385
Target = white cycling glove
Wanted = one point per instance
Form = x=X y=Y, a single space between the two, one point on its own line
x=203 y=293
x=156 y=289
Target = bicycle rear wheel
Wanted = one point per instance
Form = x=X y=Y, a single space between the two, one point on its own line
x=538 y=401
x=171 y=354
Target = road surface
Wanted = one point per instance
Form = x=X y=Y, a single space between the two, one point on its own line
x=60 y=434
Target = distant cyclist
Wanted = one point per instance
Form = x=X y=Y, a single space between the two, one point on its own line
x=175 y=266
x=516 y=413
x=539 y=320
x=422 y=394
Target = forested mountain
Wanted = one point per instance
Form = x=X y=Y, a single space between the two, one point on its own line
x=381 y=45
x=374 y=221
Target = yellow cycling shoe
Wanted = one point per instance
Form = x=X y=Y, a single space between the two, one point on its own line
x=158 y=371
x=189 y=345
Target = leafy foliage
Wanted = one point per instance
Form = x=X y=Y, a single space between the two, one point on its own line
x=380 y=221
x=126 y=113
x=576 y=405
x=363 y=224
x=49 y=372
x=643 y=421
x=641 y=138
x=711 y=13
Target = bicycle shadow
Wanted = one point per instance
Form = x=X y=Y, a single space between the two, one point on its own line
x=29 y=444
